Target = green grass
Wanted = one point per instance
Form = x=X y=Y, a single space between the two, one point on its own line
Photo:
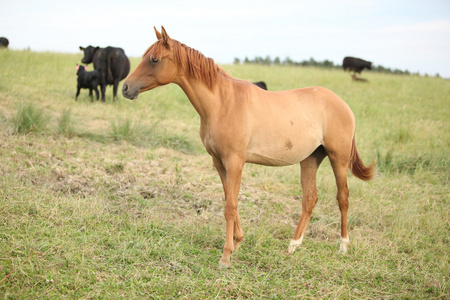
x=120 y=200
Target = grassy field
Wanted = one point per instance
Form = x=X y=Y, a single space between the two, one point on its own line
x=121 y=201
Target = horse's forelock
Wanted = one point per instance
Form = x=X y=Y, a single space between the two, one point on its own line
x=155 y=49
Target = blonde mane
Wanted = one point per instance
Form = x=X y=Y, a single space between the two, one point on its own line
x=197 y=65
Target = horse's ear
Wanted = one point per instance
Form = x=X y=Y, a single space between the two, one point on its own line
x=158 y=34
x=165 y=36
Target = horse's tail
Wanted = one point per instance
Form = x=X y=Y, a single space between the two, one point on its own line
x=357 y=166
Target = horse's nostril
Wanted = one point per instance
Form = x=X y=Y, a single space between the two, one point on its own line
x=125 y=88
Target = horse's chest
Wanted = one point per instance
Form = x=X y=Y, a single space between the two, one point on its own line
x=208 y=140
x=219 y=141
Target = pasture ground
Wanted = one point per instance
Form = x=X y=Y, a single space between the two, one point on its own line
x=120 y=200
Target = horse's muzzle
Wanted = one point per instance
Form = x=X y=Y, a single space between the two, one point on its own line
x=128 y=92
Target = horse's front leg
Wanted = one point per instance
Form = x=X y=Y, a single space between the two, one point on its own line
x=231 y=174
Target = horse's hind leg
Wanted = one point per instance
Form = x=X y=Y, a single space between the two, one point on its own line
x=238 y=233
x=339 y=162
x=309 y=168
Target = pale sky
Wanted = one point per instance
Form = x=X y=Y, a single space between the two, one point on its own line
x=404 y=34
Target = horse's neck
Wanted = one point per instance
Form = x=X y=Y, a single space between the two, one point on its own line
x=204 y=100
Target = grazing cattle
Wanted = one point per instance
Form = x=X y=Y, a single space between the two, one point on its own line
x=111 y=63
x=355 y=64
x=4 y=42
x=261 y=84
x=87 y=80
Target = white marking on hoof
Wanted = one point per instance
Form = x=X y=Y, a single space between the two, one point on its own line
x=344 y=245
x=294 y=245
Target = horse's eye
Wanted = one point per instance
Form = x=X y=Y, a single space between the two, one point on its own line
x=154 y=59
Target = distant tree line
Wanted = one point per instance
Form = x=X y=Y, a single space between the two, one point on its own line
x=268 y=61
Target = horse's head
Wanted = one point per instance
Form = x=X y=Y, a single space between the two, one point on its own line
x=157 y=67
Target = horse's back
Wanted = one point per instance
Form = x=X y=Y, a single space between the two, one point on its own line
x=317 y=104
x=320 y=104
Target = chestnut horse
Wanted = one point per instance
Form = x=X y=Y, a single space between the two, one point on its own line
x=241 y=123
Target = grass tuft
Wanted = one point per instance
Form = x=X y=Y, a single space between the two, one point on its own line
x=65 y=124
x=30 y=119
x=124 y=129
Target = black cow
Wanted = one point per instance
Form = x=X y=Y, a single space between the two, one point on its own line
x=112 y=64
x=355 y=64
x=261 y=84
x=4 y=42
x=87 y=80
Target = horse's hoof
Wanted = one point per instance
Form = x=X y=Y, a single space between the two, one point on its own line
x=294 y=245
x=223 y=265
x=344 y=246
x=342 y=252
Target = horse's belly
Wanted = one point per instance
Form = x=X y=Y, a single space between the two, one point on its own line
x=281 y=152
